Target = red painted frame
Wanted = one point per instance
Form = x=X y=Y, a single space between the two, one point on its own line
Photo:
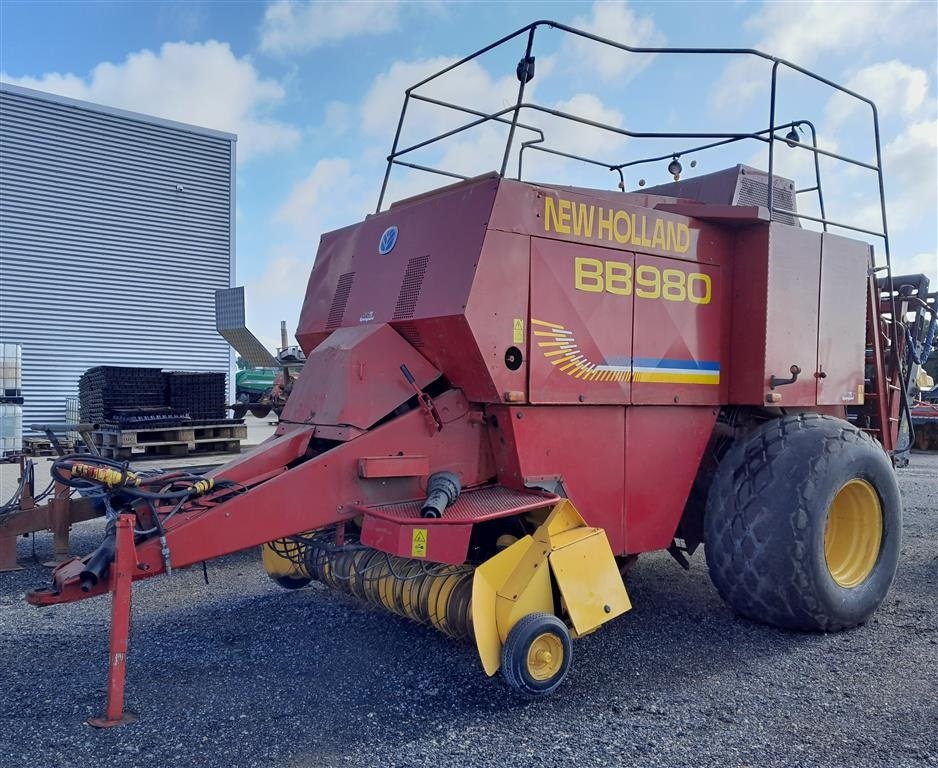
x=493 y=258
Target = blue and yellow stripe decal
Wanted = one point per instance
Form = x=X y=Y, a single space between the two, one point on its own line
x=559 y=346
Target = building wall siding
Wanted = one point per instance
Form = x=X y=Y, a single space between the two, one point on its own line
x=115 y=231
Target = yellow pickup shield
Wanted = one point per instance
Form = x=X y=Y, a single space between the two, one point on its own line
x=519 y=580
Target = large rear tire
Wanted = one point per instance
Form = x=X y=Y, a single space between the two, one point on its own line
x=803 y=524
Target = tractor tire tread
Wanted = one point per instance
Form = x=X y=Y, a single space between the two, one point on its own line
x=745 y=542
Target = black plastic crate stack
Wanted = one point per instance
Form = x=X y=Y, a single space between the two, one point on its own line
x=125 y=397
x=200 y=394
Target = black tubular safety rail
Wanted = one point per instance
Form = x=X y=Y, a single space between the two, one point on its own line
x=525 y=71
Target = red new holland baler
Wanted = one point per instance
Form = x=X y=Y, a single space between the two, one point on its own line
x=514 y=389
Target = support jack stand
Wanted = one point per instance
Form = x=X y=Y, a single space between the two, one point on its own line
x=121 y=577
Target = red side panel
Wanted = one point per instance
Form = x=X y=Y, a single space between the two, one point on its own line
x=270 y=457
x=842 y=322
x=792 y=323
x=582 y=447
x=679 y=341
x=581 y=323
x=775 y=313
x=399 y=529
x=627 y=469
x=497 y=313
x=471 y=347
x=747 y=336
x=448 y=344
x=428 y=271
x=354 y=377
x=415 y=539
x=663 y=449
x=327 y=489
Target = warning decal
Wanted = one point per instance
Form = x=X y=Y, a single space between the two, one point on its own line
x=418 y=543
x=518 y=331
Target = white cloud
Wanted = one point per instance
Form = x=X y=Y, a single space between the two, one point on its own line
x=330 y=196
x=614 y=21
x=743 y=80
x=382 y=103
x=470 y=86
x=894 y=86
x=337 y=192
x=481 y=148
x=909 y=163
x=297 y=27
x=585 y=140
x=806 y=32
x=204 y=84
x=340 y=117
x=477 y=150
x=278 y=294
x=920 y=263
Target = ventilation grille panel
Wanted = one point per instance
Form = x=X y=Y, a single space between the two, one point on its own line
x=410 y=288
x=409 y=331
x=754 y=191
x=340 y=300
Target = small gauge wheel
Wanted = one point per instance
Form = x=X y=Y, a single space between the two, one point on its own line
x=536 y=655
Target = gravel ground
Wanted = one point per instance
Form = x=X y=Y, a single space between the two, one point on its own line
x=242 y=673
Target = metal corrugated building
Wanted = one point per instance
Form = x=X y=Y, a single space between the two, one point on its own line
x=115 y=231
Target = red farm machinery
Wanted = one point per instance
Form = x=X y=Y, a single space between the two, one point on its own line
x=514 y=389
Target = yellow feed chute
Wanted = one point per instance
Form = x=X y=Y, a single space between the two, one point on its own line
x=519 y=581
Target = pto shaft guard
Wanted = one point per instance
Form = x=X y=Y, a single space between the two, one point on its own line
x=519 y=581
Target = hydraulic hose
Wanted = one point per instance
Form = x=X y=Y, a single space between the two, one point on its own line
x=118 y=488
x=97 y=566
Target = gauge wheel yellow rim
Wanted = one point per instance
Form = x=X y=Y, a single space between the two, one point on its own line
x=853 y=534
x=545 y=656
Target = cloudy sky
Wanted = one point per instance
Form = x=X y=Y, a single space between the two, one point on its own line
x=313 y=91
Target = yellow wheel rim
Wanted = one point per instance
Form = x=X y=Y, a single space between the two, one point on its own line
x=545 y=656
x=854 y=533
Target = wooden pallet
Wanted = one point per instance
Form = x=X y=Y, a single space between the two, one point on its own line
x=42 y=446
x=37 y=446
x=123 y=444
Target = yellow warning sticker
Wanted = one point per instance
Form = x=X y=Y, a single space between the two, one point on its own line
x=518 y=331
x=418 y=543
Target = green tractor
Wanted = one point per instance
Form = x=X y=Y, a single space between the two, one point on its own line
x=251 y=384
x=262 y=390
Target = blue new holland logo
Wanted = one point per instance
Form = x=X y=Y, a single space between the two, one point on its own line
x=388 y=241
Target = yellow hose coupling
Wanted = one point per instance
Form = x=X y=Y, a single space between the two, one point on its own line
x=202 y=486
x=104 y=475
